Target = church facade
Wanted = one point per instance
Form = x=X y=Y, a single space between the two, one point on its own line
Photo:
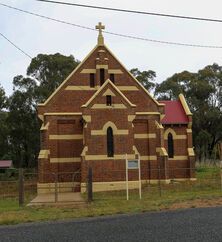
x=99 y=114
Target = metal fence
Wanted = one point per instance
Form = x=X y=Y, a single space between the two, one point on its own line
x=24 y=186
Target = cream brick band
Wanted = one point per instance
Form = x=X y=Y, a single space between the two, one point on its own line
x=66 y=137
x=105 y=157
x=127 y=88
x=145 y=136
x=148 y=157
x=175 y=136
x=104 y=106
x=120 y=185
x=88 y=88
x=115 y=71
x=81 y=88
x=62 y=114
x=101 y=66
x=88 y=71
x=147 y=113
x=179 y=157
x=103 y=132
x=116 y=131
x=65 y=160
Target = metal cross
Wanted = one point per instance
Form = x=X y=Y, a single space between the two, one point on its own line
x=100 y=27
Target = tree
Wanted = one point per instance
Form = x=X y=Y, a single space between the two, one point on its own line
x=173 y=86
x=3 y=99
x=23 y=130
x=49 y=71
x=44 y=74
x=203 y=92
x=146 y=78
x=4 y=141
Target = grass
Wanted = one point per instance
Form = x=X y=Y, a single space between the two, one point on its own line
x=205 y=190
x=104 y=204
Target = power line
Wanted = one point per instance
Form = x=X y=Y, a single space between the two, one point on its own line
x=112 y=33
x=16 y=46
x=134 y=11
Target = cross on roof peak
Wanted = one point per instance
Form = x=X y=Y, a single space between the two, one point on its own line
x=100 y=27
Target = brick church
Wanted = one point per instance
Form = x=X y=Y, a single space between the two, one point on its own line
x=99 y=114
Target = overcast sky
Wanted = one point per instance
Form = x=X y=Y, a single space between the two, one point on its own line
x=35 y=35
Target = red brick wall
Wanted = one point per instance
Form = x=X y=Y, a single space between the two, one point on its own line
x=72 y=101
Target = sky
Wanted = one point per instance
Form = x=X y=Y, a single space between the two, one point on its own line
x=36 y=35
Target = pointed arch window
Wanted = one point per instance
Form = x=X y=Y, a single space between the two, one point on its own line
x=170 y=145
x=108 y=100
x=110 y=142
x=102 y=76
x=92 y=80
x=112 y=78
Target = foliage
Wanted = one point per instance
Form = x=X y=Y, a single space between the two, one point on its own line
x=146 y=78
x=19 y=126
x=4 y=136
x=3 y=99
x=49 y=71
x=203 y=92
x=24 y=130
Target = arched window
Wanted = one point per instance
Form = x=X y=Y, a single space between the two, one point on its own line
x=102 y=76
x=110 y=143
x=170 y=145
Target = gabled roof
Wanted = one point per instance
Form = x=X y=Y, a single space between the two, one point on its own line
x=70 y=75
x=79 y=66
x=102 y=87
x=5 y=163
x=174 y=113
x=133 y=77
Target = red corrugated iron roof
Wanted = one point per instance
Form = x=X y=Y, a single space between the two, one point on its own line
x=174 y=113
x=5 y=163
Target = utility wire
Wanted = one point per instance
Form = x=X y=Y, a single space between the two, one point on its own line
x=16 y=46
x=112 y=33
x=134 y=11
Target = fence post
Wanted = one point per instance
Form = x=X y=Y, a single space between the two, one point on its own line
x=90 y=190
x=221 y=175
x=159 y=182
x=56 y=187
x=21 y=187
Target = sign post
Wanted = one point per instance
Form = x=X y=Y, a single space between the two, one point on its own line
x=127 y=185
x=133 y=165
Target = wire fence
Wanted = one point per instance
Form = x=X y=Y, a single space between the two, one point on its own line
x=26 y=185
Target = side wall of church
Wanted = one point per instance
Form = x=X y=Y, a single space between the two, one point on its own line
x=181 y=165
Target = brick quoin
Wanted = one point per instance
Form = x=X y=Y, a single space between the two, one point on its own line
x=75 y=119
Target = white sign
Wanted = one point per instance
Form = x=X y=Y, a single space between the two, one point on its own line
x=130 y=165
x=133 y=164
